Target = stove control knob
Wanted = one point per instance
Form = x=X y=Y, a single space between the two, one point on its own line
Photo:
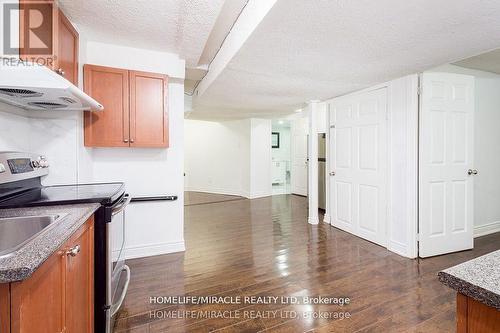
x=2 y=168
x=43 y=163
x=35 y=164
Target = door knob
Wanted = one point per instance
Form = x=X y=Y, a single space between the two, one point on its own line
x=472 y=172
x=332 y=173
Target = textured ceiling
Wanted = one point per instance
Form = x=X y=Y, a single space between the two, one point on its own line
x=177 y=26
x=305 y=50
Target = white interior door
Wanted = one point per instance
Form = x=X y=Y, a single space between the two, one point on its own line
x=298 y=175
x=358 y=157
x=446 y=155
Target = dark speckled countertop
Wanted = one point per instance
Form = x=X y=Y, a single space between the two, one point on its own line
x=477 y=278
x=21 y=265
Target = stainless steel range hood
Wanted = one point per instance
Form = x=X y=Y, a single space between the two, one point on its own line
x=35 y=87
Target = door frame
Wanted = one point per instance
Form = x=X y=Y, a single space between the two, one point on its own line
x=403 y=110
x=293 y=148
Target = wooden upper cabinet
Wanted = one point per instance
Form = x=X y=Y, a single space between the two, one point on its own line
x=62 y=36
x=110 y=127
x=67 y=50
x=135 y=108
x=148 y=110
x=46 y=32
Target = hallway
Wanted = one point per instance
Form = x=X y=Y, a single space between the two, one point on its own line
x=263 y=247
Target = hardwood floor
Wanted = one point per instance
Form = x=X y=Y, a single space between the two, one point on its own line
x=201 y=198
x=264 y=247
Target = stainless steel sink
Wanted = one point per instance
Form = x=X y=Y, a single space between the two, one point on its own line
x=17 y=231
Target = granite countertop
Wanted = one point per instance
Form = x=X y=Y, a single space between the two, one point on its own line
x=28 y=258
x=477 y=278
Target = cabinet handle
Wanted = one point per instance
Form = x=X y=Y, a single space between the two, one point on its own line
x=131 y=140
x=60 y=71
x=125 y=140
x=73 y=251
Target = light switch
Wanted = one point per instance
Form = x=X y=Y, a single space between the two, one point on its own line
x=2 y=168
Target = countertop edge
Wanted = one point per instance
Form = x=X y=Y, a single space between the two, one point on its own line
x=477 y=293
x=10 y=275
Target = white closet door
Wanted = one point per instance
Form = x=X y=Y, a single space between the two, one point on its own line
x=446 y=155
x=359 y=160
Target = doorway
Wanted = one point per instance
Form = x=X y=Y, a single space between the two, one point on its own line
x=281 y=156
x=299 y=162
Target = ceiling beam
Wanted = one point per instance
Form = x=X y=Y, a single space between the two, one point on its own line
x=250 y=18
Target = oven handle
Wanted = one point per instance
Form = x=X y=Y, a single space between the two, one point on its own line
x=122 y=205
x=115 y=307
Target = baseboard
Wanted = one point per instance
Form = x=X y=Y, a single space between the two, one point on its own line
x=217 y=191
x=399 y=248
x=152 y=250
x=259 y=195
x=486 y=229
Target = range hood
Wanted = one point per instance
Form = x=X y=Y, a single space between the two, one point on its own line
x=32 y=86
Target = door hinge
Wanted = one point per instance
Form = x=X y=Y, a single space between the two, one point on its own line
x=418 y=237
x=419 y=90
x=332 y=126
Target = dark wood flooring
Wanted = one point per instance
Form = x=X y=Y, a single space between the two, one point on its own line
x=264 y=247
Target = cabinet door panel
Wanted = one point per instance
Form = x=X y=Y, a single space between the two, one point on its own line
x=79 y=281
x=33 y=51
x=67 y=53
x=5 y=307
x=148 y=109
x=110 y=127
x=40 y=300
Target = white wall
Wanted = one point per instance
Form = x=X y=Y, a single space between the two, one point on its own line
x=486 y=148
x=322 y=119
x=403 y=166
x=229 y=157
x=152 y=228
x=217 y=156
x=132 y=58
x=53 y=135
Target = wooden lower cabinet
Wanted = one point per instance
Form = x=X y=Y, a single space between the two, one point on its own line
x=5 y=307
x=476 y=317
x=59 y=296
x=80 y=282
